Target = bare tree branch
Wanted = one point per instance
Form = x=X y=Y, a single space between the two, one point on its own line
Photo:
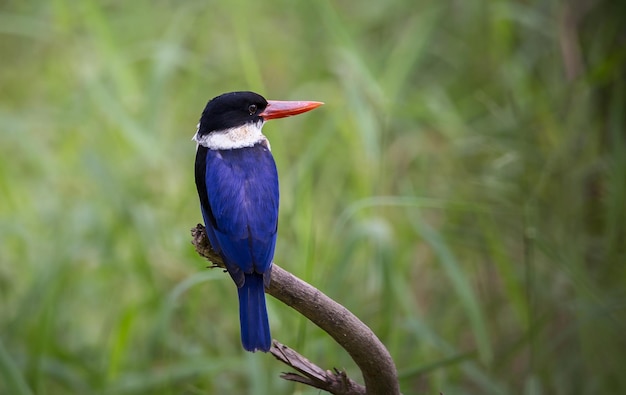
x=367 y=351
x=310 y=374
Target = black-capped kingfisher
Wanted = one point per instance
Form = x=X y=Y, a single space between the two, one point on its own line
x=237 y=184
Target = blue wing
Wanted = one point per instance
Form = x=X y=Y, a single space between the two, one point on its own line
x=242 y=191
x=238 y=192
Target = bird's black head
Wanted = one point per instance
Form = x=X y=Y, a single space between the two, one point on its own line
x=230 y=110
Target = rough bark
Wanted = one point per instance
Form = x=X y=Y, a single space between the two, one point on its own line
x=367 y=351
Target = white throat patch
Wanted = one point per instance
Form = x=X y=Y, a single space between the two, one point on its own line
x=246 y=135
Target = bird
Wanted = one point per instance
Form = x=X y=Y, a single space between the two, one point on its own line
x=237 y=183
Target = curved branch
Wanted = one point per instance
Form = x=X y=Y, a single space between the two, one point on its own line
x=367 y=351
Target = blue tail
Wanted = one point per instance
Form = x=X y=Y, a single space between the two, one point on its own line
x=255 y=328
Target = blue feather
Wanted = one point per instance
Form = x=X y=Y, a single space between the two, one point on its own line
x=240 y=210
x=255 y=328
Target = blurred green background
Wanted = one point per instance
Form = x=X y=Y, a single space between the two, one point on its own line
x=462 y=191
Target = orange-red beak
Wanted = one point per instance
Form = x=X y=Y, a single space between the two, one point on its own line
x=281 y=109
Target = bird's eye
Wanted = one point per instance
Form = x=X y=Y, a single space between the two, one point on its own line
x=252 y=109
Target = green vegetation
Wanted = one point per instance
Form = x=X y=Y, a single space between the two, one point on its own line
x=463 y=191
